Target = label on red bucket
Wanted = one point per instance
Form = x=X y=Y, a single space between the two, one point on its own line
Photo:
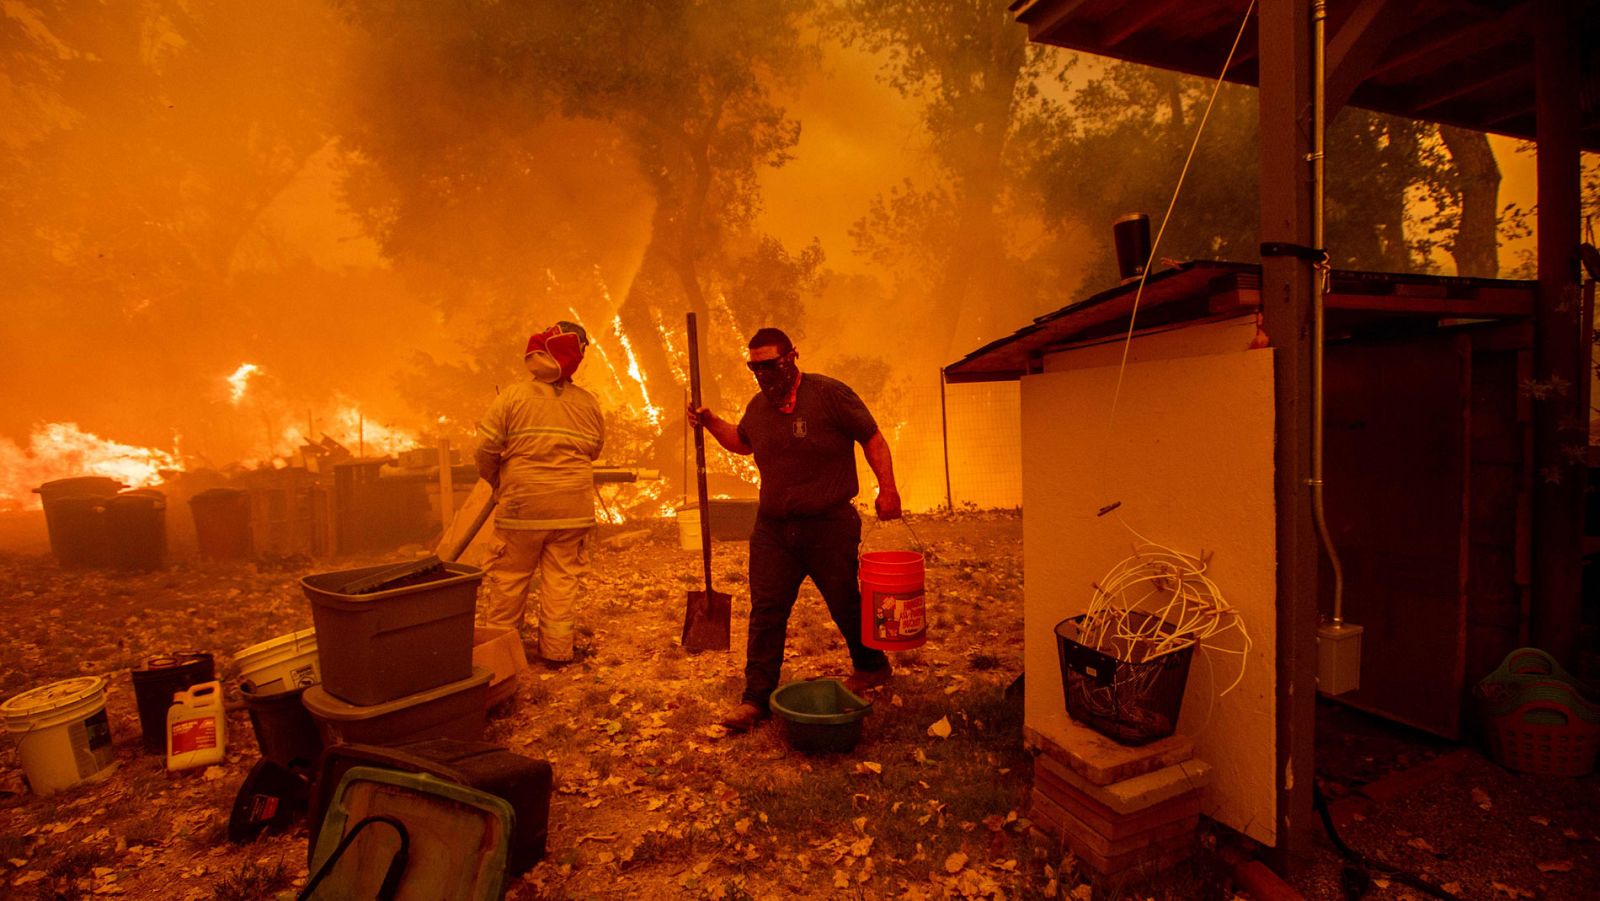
x=897 y=616
x=194 y=735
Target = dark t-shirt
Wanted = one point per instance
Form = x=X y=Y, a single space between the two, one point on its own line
x=807 y=458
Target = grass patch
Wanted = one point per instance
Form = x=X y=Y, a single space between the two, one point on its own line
x=13 y=845
x=536 y=691
x=802 y=802
x=983 y=662
x=76 y=863
x=253 y=881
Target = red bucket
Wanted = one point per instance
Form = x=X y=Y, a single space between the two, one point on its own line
x=893 y=614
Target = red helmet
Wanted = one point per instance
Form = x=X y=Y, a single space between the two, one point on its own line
x=565 y=341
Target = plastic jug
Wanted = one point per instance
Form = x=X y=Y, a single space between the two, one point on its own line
x=197 y=727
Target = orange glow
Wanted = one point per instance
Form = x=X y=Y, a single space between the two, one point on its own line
x=240 y=380
x=347 y=426
x=61 y=450
x=652 y=413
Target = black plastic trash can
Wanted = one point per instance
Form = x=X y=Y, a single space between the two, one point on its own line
x=222 y=523
x=74 y=515
x=136 y=529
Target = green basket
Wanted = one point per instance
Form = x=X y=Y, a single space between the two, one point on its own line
x=1530 y=676
x=820 y=716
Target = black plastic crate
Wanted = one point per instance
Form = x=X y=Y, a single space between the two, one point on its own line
x=1129 y=703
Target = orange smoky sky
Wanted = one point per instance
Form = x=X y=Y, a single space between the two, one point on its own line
x=176 y=209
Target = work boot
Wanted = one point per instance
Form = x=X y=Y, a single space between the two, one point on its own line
x=744 y=717
x=866 y=679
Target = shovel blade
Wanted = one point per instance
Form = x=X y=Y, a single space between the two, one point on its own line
x=706 y=621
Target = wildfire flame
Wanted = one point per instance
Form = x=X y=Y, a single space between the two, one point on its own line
x=652 y=413
x=62 y=450
x=240 y=380
x=350 y=428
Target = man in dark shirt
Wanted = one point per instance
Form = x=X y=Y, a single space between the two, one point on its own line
x=803 y=431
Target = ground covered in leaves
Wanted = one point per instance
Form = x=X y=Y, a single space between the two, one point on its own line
x=652 y=800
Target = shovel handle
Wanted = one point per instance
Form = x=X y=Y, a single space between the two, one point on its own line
x=449 y=554
x=700 y=451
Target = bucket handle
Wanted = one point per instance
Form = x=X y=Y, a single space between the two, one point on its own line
x=903 y=521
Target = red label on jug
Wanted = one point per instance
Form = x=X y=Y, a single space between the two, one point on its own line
x=263 y=808
x=194 y=735
x=898 y=616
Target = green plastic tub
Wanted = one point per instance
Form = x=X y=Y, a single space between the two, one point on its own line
x=459 y=838
x=820 y=716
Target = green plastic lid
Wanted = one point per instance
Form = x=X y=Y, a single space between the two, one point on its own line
x=459 y=836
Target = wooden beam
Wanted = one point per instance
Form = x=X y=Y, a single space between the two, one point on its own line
x=1361 y=40
x=1424 y=306
x=1285 y=190
x=1510 y=111
x=1134 y=18
x=1454 y=45
x=1560 y=427
x=1039 y=28
x=1466 y=88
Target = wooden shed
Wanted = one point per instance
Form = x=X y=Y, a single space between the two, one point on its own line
x=1428 y=478
x=1516 y=67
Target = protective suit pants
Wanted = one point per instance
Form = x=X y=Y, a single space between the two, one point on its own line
x=558 y=556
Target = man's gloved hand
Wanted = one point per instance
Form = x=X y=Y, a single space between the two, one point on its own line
x=888 y=503
x=699 y=416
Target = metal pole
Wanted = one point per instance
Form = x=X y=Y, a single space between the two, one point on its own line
x=944 y=440
x=1319 y=323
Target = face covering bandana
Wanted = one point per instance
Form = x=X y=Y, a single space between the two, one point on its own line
x=778 y=381
x=544 y=367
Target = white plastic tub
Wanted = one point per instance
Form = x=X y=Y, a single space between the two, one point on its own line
x=62 y=734
x=281 y=664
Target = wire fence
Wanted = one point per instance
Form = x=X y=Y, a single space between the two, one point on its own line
x=980 y=425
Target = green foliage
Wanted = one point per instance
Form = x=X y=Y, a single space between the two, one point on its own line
x=960 y=239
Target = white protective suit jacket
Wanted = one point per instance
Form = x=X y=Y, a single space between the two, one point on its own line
x=546 y=438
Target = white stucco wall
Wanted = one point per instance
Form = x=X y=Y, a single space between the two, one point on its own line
x=1190 y=456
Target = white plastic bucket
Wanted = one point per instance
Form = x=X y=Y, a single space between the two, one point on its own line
x=281 y=664
x=62 y=734
x=689 y=528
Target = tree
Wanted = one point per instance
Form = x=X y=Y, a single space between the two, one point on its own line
x=1132 y=129
x=984 y=108
x=1475 y=243
x=147 y=143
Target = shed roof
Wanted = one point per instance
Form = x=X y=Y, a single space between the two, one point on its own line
x=1460 y=62
x=1204 y=289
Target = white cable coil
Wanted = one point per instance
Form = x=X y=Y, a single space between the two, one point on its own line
x=1177 y=603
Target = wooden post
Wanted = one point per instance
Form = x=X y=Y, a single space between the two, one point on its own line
x=1284 y=31
x=944 y=442
x=447 y=488
x=1560 y=426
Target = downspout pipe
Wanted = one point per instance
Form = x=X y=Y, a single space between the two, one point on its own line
x=1319 y=287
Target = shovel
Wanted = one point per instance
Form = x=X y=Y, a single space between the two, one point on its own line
x=706 y=618
x=467 y=522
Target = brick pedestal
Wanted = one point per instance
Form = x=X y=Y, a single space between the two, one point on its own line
x=1118 y=808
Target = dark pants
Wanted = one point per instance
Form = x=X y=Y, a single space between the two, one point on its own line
x=783 y=552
